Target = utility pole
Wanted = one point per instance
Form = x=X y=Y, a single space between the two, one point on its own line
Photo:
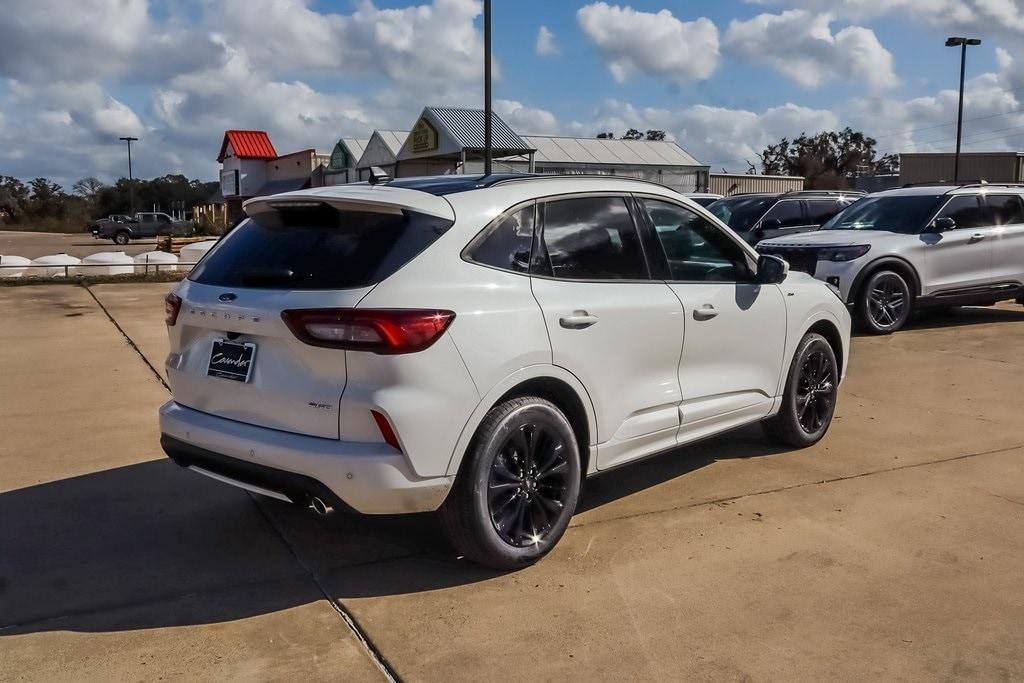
x=962 y=43
x=131 y=183
x=488 y=152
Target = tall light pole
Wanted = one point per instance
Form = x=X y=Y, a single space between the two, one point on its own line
x=487 y=88
x=131 y=184
x=962 y=43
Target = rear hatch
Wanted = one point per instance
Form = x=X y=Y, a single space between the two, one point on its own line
x=232 y=353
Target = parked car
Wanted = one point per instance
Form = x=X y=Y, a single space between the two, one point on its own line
x=94 y=226
x=702 y=198
x=122 y=229
x=756 y=217
x=479 y=345
x=913 y=248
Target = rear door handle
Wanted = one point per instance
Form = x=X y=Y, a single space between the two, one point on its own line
x=705 y=312
x=579 y=320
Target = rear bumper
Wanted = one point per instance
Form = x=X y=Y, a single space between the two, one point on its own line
x=370 y=478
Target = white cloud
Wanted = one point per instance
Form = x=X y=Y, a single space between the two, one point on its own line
x=424 y=48
x=655 y=44
x=983 y=16
x=546 y=46
x=718 y=136
x=801 y=46
x=525 y=119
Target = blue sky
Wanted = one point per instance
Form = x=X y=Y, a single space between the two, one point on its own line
x=722 y=78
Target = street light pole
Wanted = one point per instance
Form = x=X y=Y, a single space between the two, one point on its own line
x=487 y=87
x=131 y=184
x=962 y=43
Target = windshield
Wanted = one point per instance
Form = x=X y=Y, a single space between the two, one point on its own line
x=740 y=213
x=906 y=214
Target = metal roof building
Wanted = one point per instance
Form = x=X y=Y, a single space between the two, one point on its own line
x=341 y=168
x=381 y=150
x=447 y=140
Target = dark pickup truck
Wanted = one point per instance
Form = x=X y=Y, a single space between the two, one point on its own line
x=122 y=229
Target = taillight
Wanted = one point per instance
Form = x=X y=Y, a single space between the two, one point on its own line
x=386 y=430
x=384 y=331
x=172 y=305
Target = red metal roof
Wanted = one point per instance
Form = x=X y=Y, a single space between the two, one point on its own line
x=247 y=144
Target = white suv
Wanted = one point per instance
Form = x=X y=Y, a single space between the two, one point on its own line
x=481 y=345
x=915 y=248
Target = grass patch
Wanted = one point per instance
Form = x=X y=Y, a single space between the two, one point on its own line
x=172 y=276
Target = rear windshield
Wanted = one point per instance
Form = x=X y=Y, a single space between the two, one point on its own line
x=317 y=248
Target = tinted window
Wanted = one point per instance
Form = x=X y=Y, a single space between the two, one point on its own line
x=905 y=214
x=740 y=213
x=966 y=210
x=593 y=238
x=317 y=248
x=696 y=249
x=820 y=210
x=787 y=213
x=1006 y=209
x=506 y=243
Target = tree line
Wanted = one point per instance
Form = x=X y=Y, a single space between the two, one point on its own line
x=44 y=204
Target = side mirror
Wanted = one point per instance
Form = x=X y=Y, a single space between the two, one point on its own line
x=771 y=270
x=943 y=224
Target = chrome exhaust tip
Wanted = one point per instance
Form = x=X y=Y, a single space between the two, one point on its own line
x=320 y=507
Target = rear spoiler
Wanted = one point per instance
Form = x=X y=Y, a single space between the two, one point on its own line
x=379 y=198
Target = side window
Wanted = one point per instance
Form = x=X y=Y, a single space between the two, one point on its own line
x=787 y=213
x=696 y=249
x=819 y=211
x=1005 y=209
x=593 y=238
x=966 y=211
x=506 y=243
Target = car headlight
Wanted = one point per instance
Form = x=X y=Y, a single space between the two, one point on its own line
x=843 y=253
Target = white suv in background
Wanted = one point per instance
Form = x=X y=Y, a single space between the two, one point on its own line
x=917 y=247
x=480 y=345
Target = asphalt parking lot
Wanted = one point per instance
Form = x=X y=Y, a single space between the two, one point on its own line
x=893 y=549
x=36 y=244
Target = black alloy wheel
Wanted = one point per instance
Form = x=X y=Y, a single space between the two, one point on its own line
x=528 y=483
x=816 y=390
x=517 y=486
x=885 y=302
x=810 y=396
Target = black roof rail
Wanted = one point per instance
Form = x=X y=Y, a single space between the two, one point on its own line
x=517 y=177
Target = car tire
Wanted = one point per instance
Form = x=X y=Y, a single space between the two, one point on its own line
x=517 y=487
x=884 y=303
x=122 y=238
x=809 y=400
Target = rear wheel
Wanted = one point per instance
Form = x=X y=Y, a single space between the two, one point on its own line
x=518 y=487
x=121 y=238
x=809 y=401
x=884 y=303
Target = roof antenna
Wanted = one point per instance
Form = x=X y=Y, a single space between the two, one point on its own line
x=378 y=176
x=488 y=151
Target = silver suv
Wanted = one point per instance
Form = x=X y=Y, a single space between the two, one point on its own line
x=917 y=247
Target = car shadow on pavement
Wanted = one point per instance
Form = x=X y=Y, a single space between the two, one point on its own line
x=965 y=315
x=151 y=545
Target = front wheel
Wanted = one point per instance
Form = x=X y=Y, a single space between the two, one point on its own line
x=884 y=303
x=518 y=487
x=809 y=401
x=121 y=238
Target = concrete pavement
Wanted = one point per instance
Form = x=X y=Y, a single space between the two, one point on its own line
x=892 y=549
x=36 y=244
